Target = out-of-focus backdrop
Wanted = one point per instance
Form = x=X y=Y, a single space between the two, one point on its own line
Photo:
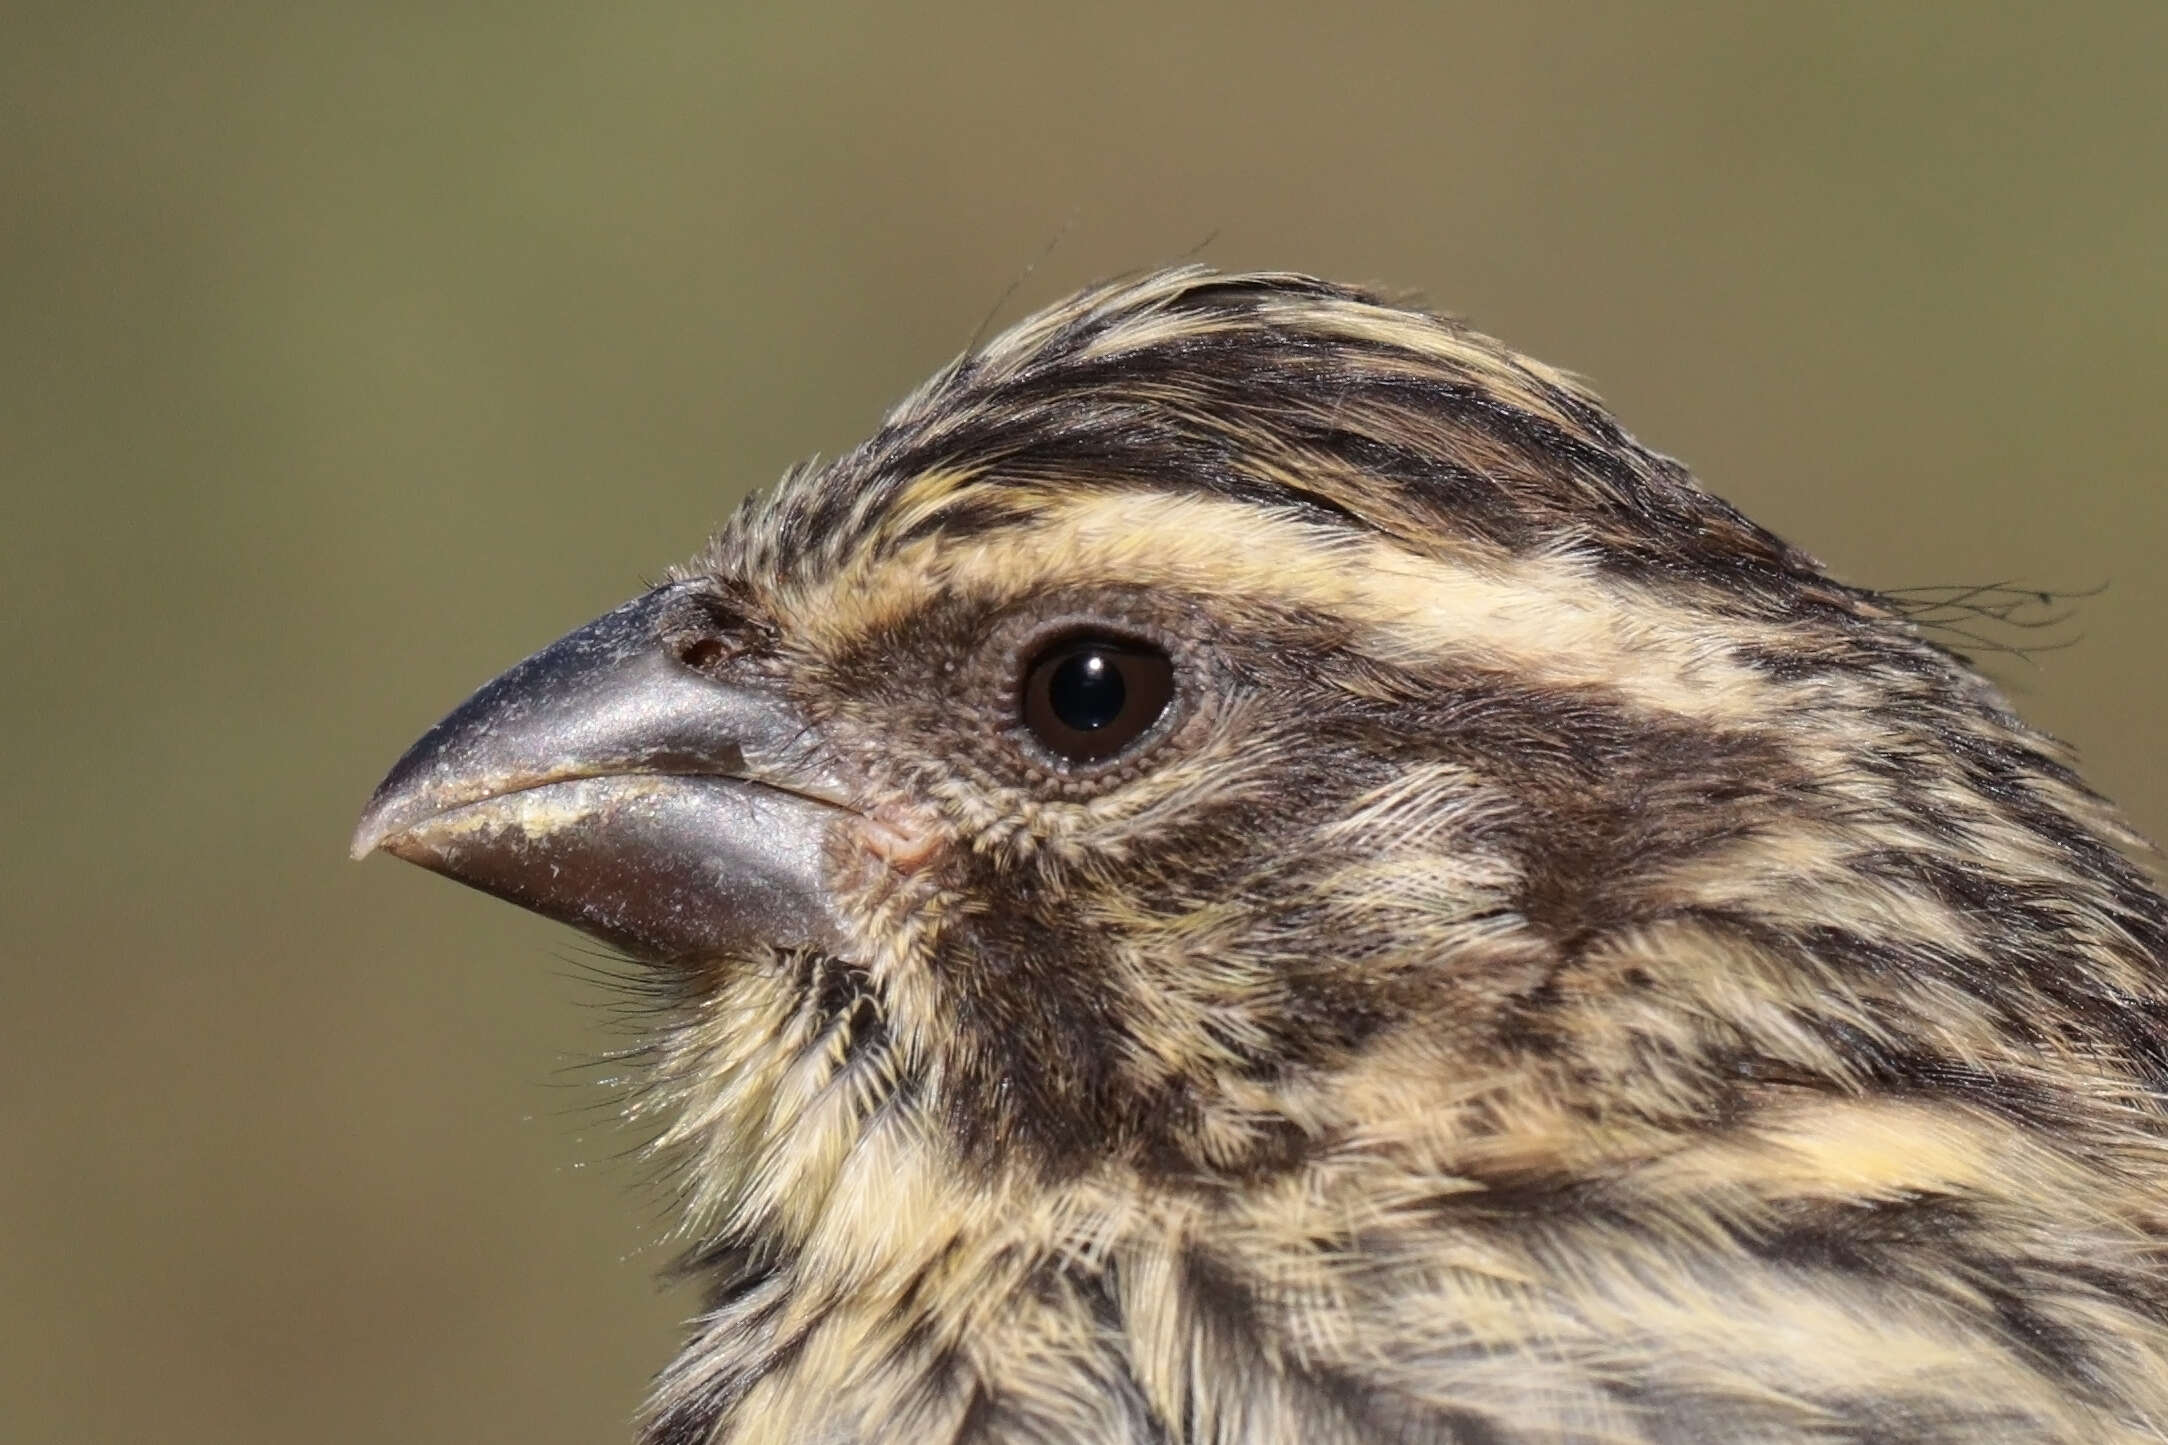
x=348 y=352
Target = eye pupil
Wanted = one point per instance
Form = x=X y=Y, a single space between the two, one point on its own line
x=1086 y=691
x=1087 y=698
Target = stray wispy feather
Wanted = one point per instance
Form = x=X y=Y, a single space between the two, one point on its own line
x=1252 y=868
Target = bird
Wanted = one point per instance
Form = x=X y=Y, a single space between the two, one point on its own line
x=1251 y=867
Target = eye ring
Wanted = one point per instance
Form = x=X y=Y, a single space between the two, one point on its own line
x=1088 y=696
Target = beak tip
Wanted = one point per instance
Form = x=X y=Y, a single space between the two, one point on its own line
x=388 y=814
x=369 y=835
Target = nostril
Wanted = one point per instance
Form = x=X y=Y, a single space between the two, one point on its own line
x=706 y=632
x=701 y=653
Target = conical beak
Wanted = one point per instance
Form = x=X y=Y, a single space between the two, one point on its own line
x=678 y=814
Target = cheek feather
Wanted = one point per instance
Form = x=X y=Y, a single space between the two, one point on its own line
x=1575 y=972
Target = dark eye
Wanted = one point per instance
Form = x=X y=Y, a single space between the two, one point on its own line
x=1087 y=698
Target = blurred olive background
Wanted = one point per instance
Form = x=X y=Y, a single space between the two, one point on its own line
x=349 y=352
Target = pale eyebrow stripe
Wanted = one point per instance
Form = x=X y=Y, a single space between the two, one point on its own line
x=1553 y=617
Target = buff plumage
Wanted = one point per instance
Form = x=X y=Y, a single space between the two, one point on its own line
x=1566 y=969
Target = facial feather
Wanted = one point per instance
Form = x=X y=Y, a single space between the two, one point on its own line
x=1566 y=969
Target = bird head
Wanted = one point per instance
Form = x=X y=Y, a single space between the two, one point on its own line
x=1235 y=744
